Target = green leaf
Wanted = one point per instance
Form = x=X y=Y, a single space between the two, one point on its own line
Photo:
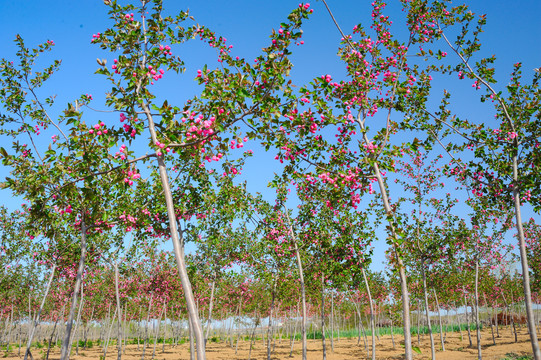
x=416 y=349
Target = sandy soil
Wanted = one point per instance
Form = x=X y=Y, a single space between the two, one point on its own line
x=344 y=349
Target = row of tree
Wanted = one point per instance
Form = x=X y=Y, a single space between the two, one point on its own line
x=170 y=171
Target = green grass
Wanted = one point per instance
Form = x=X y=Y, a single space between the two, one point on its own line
x=513 y=356
x=353 y=333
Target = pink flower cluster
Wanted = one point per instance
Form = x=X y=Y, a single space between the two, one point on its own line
x=200 y=127
x=67 y=210
x=98 y=129
x=127 y=127
x=132 y=175
x=238 y=145
x=128 y=219
x=122 y=152
x=95 y=37
x=156 y=75
x=370 y=148
x=161 y=146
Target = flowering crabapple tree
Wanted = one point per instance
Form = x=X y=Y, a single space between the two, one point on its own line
x=336 y=238
x=206 y=128
x=69 y=188
x=507 y=150
x=429 y=226
x=340 y=132
x=196 y=133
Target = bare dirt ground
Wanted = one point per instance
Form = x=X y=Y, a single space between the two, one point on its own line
x=344 y=349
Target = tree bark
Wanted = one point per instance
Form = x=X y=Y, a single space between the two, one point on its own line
x=323 y=316
x=332 y=321
x=273 y=297
x=439 y=317
x=50 y=340
x=256 y=322
x=77 y=321
x=427 y=311
x=524 y=262
x=210 y=307
x=119 y=310
x=303 y=291
x=392 y=333
x=294 y=331
x=372 y=320
x=510 y=317
x=478 y=330
x=418 y=322
x=157 y=334
x=491 y=324
x=467 y=319
x=178 y=242
x=408 y=352
x=109 y=335
x=36 y=320
x=64 y=352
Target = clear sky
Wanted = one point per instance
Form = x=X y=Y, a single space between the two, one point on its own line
x=512 y=33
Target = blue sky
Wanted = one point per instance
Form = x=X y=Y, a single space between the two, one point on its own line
x=512 y=33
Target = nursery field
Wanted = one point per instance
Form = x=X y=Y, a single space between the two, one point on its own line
x=344 y=349
x=330 y=170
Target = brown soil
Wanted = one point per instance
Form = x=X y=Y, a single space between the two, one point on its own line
x=344 y=349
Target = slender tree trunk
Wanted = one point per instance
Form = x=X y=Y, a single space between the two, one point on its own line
x=408 y=352
x=273 y=297
x=332 y=321
x=138 y=330
x=238 y=327
x=210 y=307
x=156 y=335
x=146 y=327
x=439 y=317
x=467 y=319
x=372 y=321
x=323 y=316
x=418 y=322
x=491 y=324
x=392 y=334
x=303 y=291
x=192 y=345
x=294 y=331
x=164 y=326
x=427 y=311
x=524 y=262
x=338 y=329
x=365 y=340
x=458 y=321
x=109 y=336
x=20 y=333
x=51 y=340
x=77 y=321
x=478 y=330
x=119 y=310
x=36 y=320
x=510 y=317
x=256 y=322
x=64 y=352
x=495 y=315
x=178 y=242
x=126 y=328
